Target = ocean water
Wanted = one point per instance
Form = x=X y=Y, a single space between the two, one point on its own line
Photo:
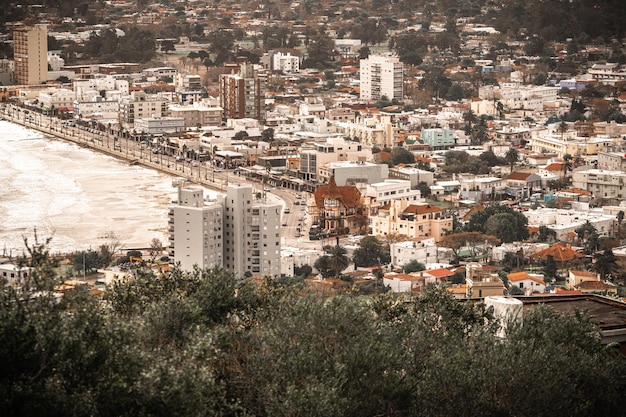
x=77 y=197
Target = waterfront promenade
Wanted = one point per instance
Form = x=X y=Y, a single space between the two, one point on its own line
x=118 y=145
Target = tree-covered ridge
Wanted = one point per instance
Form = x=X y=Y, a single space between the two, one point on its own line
x=205 y=343
x=551 y=20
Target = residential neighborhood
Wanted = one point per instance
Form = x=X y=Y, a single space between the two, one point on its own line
x=355 y=148
x=357 y=118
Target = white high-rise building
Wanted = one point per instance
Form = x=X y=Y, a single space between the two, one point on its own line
x=238 y=231
x=251 y=232
x=381 y=76
x=195 y=230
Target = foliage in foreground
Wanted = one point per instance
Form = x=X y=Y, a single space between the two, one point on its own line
x=206 y=344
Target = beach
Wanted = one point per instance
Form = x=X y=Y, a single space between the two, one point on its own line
x=76 y=196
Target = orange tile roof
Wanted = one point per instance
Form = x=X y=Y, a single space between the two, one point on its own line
x=559 y=252
x=422 y=209
x=595 y=285
x=439 y=272
x=584 y=273
x=555 y=166
x=523 y=275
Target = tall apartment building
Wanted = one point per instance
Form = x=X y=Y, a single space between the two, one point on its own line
x=241 y=95
x=238 y=231
x=251 y=232
x=381 y=76
x=195 y=230
x=30 y=46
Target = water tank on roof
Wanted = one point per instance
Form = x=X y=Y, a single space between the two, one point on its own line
x=507 y=310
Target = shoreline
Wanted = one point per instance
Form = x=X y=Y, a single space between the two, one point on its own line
x=80 y=137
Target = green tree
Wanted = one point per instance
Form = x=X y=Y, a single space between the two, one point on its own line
x=413 y=266
x=267 y=135
x=320 y=52
x=550 y=268
x=508 y=227
x=605 y=264
x=424 y=189
x=338 y=259
x=478 y=243
x=167 y=45
x=322 y=264
x=370 y=252
x=400 y=155
x=514 y=222
x=221 y=42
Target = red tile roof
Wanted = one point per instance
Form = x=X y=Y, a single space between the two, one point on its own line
x=519 y=176
x=421 y=209
x=349 y=195
x=559 y=252
x=439 y=272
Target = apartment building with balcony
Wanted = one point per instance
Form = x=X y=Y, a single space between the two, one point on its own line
x=241 y=94
x=139 y=105
x=195 y=230
x=601 y=183
x=30 y=52
x=252 y=232
x=237 y=231
x=381 y=76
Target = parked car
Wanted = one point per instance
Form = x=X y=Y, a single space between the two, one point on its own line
x=286 y=210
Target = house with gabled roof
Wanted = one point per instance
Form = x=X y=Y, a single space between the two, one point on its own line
x=562 y=254
x=526 y=282
x=574 y=278
x=597 y=287
x=524 y=182
x=338 y=209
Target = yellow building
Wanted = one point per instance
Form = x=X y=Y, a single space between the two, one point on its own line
x=30 y=45
x=415 y=220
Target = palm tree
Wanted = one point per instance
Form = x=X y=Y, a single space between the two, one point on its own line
x=567 y=164
x=338 y=259
x=470 y=117
x=512 y=157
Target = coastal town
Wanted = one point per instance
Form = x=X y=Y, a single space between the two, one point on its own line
x=368 y=149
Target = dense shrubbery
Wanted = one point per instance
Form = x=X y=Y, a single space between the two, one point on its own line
x=206 y=344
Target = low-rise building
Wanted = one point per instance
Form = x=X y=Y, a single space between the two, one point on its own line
x=423 y=250
x=600 y=183
x=353 y=172
x=413 y=175
x=482 y=283
x=564 y=222
x=410 y=219
x=159 y=125
x=527 y=282
x=438 y=138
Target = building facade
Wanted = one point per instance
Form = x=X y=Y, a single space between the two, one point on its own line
x=241 y=95
x=410 y=219
x=236 y=231
x=251 y=232
x=381 y=76
x=30 y=46
x=195 y=231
